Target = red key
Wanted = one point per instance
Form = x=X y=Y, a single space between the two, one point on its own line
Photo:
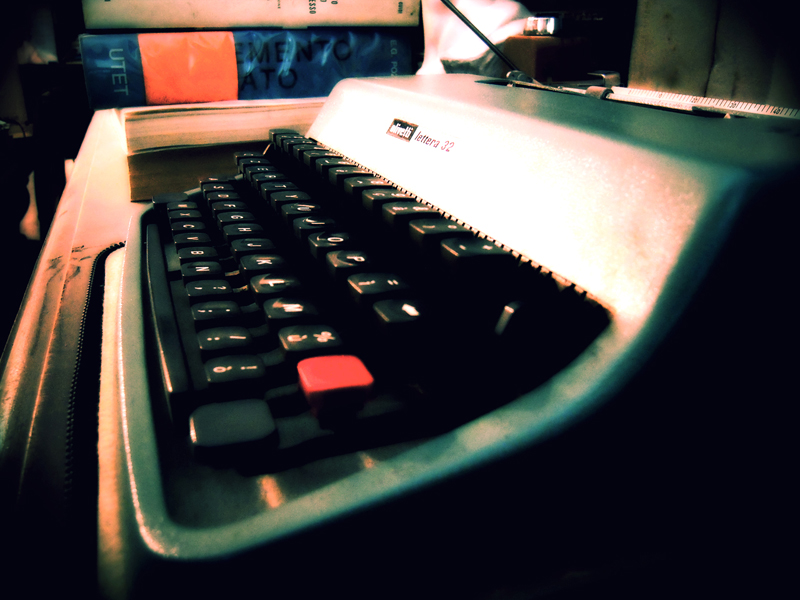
x=335 y=385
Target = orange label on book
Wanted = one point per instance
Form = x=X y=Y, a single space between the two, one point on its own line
x=189 y=67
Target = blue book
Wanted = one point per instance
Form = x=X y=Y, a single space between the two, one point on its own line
x=140 y=69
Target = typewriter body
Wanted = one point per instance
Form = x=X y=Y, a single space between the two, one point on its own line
x=656 y=452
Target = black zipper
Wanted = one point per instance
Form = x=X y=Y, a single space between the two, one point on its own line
x=81 y=436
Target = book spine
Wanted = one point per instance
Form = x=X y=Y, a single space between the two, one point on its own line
x=112 y=68
x=123 y=70
x=216 y=14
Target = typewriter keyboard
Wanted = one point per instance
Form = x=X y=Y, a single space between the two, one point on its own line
x=303 y=307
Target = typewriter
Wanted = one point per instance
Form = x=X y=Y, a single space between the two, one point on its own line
x=460 y=338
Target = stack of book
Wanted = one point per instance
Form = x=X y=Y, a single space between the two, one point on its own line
x=157 y=52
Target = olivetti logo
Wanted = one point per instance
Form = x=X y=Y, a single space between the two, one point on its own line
x=402 y=130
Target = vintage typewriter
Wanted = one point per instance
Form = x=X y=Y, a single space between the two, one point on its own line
x=460 y=334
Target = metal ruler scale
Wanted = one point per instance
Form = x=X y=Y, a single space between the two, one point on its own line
x=667 y=100
x=691 y=103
